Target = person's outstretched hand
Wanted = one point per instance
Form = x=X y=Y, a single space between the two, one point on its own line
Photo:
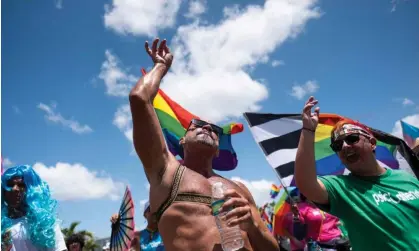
x=160 y=54
x=311 y=120
x=114 y=218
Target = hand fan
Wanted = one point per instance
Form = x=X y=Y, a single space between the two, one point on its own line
x=123 y=229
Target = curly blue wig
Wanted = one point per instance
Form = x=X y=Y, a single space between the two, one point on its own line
x=40 y=207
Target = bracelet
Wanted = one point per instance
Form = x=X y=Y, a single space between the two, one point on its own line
x=310 y=130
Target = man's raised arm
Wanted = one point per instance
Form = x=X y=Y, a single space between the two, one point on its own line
x=305 y=164
x=147 y=135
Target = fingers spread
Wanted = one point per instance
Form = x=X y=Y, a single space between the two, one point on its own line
x=310 y=105
x=161 y=47
x=166 y=48
x=317 y=111
x=147 y=49
x=154 y=46
x=307 y=108
x=310 y=99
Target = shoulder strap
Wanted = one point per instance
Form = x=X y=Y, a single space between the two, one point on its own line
x=173 y=192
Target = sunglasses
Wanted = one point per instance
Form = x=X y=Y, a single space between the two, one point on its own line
x=349 y=139
x=200 y=123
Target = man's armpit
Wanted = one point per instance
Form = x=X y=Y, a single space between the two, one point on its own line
x=161 y=172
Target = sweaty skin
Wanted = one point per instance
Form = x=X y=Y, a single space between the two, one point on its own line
x=185 y=225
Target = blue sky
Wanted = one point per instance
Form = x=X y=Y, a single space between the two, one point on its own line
x=67 y=67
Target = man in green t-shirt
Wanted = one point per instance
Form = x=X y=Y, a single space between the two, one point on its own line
x=380 y=206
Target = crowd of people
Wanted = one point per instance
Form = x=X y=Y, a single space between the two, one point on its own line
x=379 y=207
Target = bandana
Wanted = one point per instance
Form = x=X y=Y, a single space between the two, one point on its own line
x=349 y=129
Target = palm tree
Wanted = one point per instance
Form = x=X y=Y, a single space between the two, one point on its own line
x=90 y=243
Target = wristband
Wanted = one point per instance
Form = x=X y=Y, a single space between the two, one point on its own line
x=310 y=130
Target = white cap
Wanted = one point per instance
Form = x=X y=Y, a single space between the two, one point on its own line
x=146 y=206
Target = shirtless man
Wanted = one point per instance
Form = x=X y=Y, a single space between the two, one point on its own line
x=180 y=197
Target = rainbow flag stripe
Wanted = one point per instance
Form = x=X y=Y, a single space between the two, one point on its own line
x=327 y=162
x=410 y=133
x=274 y=191
x=278 y=136
x=274 y=188
x=280 y=210
x=174 y=120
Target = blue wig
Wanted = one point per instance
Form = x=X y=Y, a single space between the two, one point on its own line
x=40 y=207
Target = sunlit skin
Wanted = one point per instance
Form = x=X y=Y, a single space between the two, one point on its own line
x=358 y=157
x=186 y=225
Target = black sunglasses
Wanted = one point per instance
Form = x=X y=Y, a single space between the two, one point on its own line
x=349 y=139
x=200 y=123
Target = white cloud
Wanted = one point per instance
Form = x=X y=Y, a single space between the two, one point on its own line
x=300 y=91
x=412 y=120
x=209 y=75
x=196 y=8
x=276 y=63
x=77 y=182
x=123 y=121
x=140 y=17
x=7 y=163
x=56 y=117
x=258 y=188
x=407 y=102
x=394 y=4
x=59 y=4
x=147 y=186
x=118 y=81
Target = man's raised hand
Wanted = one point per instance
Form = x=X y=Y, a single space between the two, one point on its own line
x=160 y=54
x=310 y=120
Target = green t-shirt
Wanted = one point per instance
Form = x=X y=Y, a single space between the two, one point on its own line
x=380 y=213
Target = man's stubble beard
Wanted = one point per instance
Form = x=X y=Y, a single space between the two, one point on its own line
x=206 y=140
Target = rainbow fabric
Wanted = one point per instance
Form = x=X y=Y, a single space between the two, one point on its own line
x=174 y=120
x=280 y=210
x=274 y=191
x=327 y=162
x=410 y=133
x=278 y=136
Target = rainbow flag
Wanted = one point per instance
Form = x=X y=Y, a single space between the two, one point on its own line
x=410 y=133
x=274 y=191
x=280 y=210
x=174 y=121
x=278 y=136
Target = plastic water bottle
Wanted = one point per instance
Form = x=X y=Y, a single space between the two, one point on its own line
x=231 y=238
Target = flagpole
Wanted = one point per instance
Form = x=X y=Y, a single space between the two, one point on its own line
x=276 y=173
x=282 y=184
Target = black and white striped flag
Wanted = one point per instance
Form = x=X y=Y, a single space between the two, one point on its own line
x=278 y=136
